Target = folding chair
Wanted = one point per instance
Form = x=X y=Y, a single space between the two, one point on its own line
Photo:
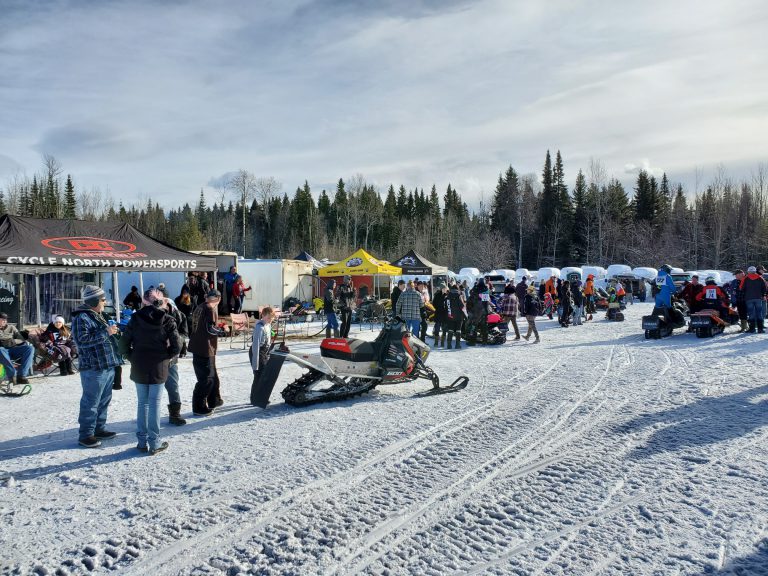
x=241 y=326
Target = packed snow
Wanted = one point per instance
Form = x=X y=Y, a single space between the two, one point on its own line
x=594 y=452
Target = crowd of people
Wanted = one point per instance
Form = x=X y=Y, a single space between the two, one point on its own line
x=161 y=330
x=741 y=301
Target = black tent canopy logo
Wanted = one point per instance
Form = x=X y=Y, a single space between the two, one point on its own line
x=89 y=244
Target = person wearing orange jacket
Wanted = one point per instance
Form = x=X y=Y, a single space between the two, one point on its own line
x=589 y=295
x=713 y=297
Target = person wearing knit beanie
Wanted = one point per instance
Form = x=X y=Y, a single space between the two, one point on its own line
x=92 y=296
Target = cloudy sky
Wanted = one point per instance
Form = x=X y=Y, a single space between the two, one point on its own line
x=158 y=99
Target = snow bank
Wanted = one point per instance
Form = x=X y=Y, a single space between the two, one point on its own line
x=645 y=272
x=545 y=274
x=618 y=270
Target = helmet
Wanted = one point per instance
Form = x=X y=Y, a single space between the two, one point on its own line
x=709 y=279
x=666 y=268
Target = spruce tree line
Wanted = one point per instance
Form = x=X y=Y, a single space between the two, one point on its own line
x=532 y=220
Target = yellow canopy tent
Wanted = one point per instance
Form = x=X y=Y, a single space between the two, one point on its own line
x=359 y=264
x=372 y=277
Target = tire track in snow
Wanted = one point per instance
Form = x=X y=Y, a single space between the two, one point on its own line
x=531 y=462
x=218 y=515
x=352 y=478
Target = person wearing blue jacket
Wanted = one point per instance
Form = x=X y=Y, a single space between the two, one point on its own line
x=666 y=287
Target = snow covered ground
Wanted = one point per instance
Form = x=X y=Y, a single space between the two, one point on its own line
x=594 y=452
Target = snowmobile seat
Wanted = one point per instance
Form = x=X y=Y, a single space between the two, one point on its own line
x=349 y=349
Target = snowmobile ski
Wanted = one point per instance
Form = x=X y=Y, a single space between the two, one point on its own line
x=459 y=384
x=263 y=390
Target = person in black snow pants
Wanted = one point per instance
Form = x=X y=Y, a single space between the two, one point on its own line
x=346 y=302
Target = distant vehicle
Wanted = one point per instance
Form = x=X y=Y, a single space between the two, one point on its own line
x=680 y=278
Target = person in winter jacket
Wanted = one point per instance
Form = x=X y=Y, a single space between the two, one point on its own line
x=259 y=351
x=172 y=383
x=508 y=308
x=665 y=287
x=691 y=292
x=329 y=309
x=133 y=299
x=150 y=341
x=521 y=289
x=754 y=290
x=712 y=297
x=531 y=310
x=590 y=296
x=57 y=342
x=455 y=314
x=238 y=294
x=203 y=343
x=346 y=303
x=409 y=308
x=566 y=304
x=737 y=296
x=228 y=287
x=396 y=291
x=13 y=346
x=478 y=307
x=438 y=302
x=578 y=302
x=184 y=305
x=97 y=351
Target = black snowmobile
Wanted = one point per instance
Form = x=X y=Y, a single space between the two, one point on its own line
x=662 y=321
x=348 y=367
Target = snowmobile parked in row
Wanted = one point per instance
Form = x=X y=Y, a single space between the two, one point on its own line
x=348 y=367
x=662 y=321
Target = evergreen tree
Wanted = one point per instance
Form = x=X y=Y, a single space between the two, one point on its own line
x=644 y=201
x=581 y=219
x=70 y=200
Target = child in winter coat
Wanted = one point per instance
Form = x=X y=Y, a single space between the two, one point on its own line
x=259 y=351
x=59 y=345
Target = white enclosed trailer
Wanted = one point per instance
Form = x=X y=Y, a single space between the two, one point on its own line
x=272 y=282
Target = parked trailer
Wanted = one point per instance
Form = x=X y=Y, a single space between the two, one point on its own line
x=272 y=282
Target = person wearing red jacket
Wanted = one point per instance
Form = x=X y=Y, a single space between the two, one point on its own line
x=754 y=289
x=713 y=297
x=238 y=293
x=690 y=293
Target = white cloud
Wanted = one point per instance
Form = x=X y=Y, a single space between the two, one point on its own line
x=160 y=98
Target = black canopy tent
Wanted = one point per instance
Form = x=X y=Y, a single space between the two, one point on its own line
x=414 y=264
x=40 y=246
x=305 y=256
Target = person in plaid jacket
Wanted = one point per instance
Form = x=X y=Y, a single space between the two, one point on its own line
x=508 y=308
x=409 y=308
x=98 y=357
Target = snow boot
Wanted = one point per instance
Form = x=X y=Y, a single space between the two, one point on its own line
x=743 y=326
x=751 y=329
x=458 y=342
x=174 y=414
x=63 y=368
x=449 y=346
x=335 y=332
x=327 y=331
x=761 y=326
x=160 y=448
x=70 y=368
x=442 y=341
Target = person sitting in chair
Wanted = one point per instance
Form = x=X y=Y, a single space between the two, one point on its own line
x=58 y=344
x=13 y=347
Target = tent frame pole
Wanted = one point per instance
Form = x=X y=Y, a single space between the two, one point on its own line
x=37 y=300
x=116 y=296
x=141 y=282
